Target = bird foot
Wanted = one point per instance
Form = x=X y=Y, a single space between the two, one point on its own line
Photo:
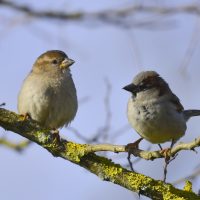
x=134 y=145
x=55 y=134
x=25 y=116
x=130 y=149
x=166 y=153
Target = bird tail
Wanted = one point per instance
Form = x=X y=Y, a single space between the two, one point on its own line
x=190 y=113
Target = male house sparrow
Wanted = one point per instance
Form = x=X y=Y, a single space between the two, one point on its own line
x=154 y=111
x=48 y=93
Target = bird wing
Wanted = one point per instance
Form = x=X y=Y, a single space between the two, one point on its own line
x=175 y=100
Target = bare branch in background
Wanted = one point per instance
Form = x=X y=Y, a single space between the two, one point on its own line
x=3 y=104
x=194 y=42
x=19 y=147
x=194 y=175
x=10 y=24
x=103 y=131
x=193 y=8
x=40 y=14
x=78 y=134
x=119 y=131
x=119 y=17
x=135 y=49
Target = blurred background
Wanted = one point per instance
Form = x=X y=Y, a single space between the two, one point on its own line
x=111 y=41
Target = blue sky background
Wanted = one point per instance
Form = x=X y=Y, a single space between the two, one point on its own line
x=100 y=51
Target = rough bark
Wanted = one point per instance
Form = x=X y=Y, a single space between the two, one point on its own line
x=81 y=155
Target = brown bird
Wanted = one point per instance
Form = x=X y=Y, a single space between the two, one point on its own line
x=48 y=93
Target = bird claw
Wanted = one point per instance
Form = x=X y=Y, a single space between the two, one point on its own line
x=25 y=116
x=130 y=149
x=55 y=134
x=135 y=145
x=166 y=153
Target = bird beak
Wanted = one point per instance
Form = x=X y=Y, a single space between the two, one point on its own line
x=67 y=62
x=131 y=88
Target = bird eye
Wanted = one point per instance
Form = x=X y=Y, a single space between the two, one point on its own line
x=55 y=62
x=144 y=86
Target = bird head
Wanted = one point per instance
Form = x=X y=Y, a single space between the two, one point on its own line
x=53 y=61
x=147 y=81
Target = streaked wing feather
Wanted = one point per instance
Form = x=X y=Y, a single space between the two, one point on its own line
x=175 y=100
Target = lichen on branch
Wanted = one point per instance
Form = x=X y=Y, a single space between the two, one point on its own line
x=84 y=156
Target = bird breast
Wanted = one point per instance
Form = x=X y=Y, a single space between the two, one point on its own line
x=156 y=120
x=50 y=100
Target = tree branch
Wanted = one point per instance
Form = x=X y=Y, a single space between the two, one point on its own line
x=40 y=14
x=193 y=8
x=102 y=167
x=16 y=146
x=147 y=155
x=117 y=17
x=2 y=104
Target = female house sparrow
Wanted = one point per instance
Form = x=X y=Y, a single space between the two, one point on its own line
x=154 y=111
x=48 y=93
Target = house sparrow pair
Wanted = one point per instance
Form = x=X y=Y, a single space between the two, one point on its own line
x=48 y=95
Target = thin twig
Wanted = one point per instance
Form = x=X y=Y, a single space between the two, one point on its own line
x=147 y=155
x=3 y=104
x=19 y=147
x=193 y=8
x=192 y=176
x=119 y=131
x=78 y=134
x=194 y=42
x=168 y=160
x=104 y=131
x=129 y=161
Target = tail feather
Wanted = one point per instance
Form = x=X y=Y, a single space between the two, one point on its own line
x=190 y=113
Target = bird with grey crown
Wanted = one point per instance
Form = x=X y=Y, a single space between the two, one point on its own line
x=154 y=111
